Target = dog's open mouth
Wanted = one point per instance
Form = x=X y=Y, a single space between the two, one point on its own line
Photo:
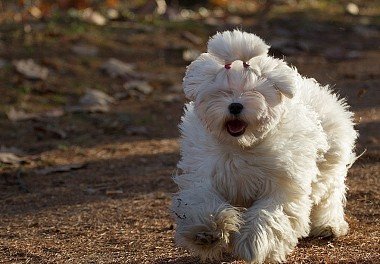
x=236 y=127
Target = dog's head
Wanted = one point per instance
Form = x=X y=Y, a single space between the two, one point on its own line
x=238 y=90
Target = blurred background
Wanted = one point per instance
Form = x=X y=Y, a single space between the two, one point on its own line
x=90 y=100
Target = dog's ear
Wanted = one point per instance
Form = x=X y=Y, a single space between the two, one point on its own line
x=199 y=74
x=284 y=79
x=229 y=46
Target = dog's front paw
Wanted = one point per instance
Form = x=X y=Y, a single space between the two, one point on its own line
x=204 y=240
x=211 y=235
x=258 y=246
x=207 y=238
x=255 y=248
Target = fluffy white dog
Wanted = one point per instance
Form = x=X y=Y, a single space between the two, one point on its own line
x=265 y=153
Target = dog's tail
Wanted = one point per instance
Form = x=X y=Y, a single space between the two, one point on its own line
x=234 y=45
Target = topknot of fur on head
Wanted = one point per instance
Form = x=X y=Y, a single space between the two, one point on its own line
x=230 y=46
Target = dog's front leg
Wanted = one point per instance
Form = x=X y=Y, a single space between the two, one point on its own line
x=205 y=221
x=271 y=229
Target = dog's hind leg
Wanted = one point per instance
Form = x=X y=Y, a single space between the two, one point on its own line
x=328 y=192
x=327 y=216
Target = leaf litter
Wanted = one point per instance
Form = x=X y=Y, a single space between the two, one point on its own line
x=20 y=115
x=92 y=101
x=31 y=70
x=10 y=158
x=11 y=155
x=140 y=86
x=116 y=68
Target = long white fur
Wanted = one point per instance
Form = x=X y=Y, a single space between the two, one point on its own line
x=283 y=179
x=236 y=45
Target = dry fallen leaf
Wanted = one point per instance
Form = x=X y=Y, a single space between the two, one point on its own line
x=171 y=98
x=9 y=158
x=36 y=12
x=91 y=16
x=60 y=168
x=20 y=115
x=31 y=70
x=190 y=54
x=96 y=97
x=352 y=9
x=117 y=68
x=140 y=86
x=113 y=14
x=92 y=101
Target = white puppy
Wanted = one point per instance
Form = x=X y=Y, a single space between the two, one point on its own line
x=265 y=153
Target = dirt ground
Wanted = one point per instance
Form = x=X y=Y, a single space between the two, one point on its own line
x=113 y=207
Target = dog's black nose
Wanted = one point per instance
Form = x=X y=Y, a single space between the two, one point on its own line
x=235 y=108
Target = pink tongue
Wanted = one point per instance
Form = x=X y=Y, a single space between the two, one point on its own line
x=236 y=126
